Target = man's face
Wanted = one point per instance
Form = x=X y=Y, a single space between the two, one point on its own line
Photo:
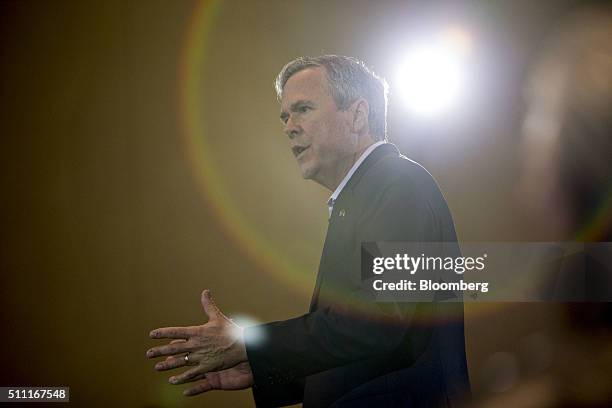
x=318 y=131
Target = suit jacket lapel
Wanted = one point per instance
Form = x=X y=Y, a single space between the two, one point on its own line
x=378 y=153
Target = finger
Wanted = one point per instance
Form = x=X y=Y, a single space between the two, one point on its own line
x=172 y=357
x=187 y=376
x=170 y=349
x=199 y=388
x=172 y=333
x=171 y=363
x=209 y=305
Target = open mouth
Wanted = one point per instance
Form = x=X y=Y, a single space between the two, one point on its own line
x=298 y=150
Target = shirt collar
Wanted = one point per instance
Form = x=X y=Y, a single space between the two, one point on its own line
x=336 y=193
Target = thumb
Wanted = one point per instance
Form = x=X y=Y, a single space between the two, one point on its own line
x=210 y=308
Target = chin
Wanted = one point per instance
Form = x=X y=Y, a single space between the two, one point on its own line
x=307 y=176
x=308 y=173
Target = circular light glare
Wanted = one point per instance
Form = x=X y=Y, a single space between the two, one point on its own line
x=256 y=335
x=431 y=78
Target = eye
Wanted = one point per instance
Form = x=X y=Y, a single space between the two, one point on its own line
x=304 y=109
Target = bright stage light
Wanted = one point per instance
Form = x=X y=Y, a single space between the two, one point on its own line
x=432 y=76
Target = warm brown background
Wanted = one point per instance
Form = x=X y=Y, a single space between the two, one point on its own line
x=105 y=230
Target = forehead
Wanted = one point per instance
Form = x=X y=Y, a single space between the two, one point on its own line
x=308 y=84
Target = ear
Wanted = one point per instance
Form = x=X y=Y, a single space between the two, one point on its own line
x=360 y=111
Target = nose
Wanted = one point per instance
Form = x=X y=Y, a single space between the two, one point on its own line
x=291 y=129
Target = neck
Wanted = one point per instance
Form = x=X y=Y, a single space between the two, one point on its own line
x=344 y=165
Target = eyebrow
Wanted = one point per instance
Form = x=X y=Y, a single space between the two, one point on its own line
x=294 y=107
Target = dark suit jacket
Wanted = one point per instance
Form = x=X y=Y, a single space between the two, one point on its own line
x=350 y=351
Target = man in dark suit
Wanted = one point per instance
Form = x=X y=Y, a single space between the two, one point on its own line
x=349 y=350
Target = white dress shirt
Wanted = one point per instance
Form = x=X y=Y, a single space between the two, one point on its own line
x=336 y=193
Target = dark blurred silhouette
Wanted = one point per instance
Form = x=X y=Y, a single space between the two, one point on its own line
x=565 y=190
x=566 y=182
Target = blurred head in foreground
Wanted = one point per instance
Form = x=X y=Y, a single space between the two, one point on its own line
x=565 y=189
x=566 y=181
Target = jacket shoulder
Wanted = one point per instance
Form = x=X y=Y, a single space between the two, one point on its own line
x=400 y=173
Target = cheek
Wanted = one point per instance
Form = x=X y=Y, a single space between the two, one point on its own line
x=328 y=132
x=319 y=137
x=327 y=137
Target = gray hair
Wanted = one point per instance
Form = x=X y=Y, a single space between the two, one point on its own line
x=348 y=79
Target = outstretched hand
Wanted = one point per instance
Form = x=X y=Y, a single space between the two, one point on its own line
x=212 y=349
